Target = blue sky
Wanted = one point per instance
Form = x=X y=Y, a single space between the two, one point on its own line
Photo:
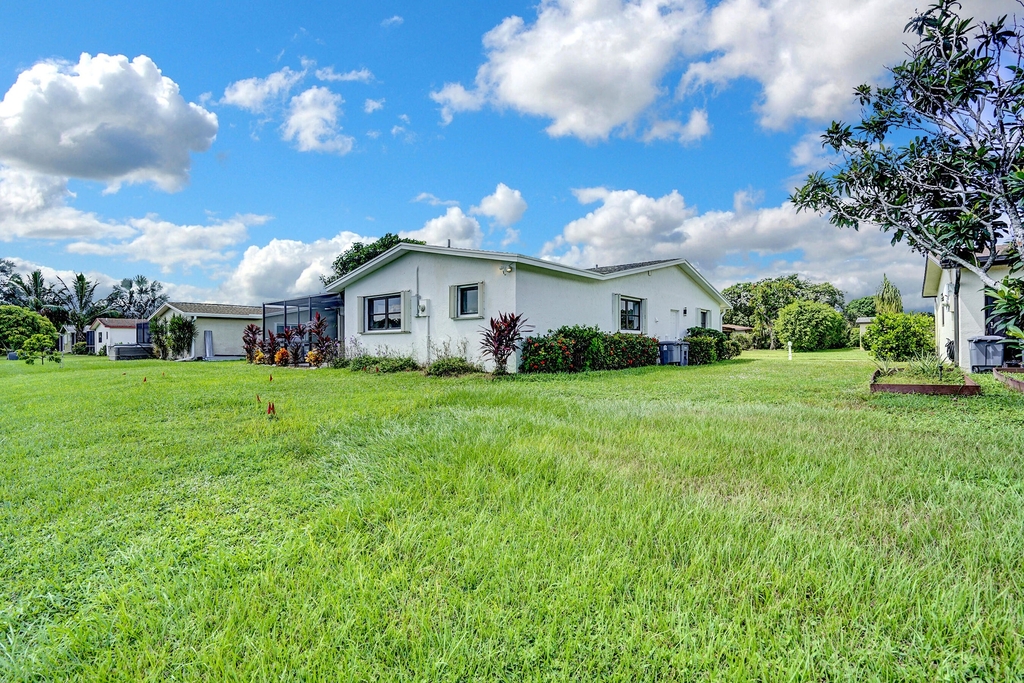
x=592 y=131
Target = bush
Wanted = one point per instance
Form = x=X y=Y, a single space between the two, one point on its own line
x=451 y=366
x=703 y=350
x=744 y=339
x=158 y=337
x=732 y=349
x=80 y=349
x=37 y=347
x=723 y=351
x=900 y=336
x=369 y=363
x=853 y=337
x=811 y=326
x=18 y=324
x=181 y=332
x=576 y=349
x=281 y=357
x=339 y=362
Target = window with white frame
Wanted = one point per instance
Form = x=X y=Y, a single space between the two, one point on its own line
x=384 y=313
x=469 y=300
x=705 y=318
x=630 y=314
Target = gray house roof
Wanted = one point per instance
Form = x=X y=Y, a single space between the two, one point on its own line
x=210 y=310
x=605 y=270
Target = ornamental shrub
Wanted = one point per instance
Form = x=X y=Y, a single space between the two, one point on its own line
x=744 y=339
x=900 y=336
x=723 y=350
x=451 y=366
x=18 y=324
x=370 y=363
x=577 y=348
x=37 y=347
x=80 y=348
x=702 y=350
x=811 y=326
x=281 y=357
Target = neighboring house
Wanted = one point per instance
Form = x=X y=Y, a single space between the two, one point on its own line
x=414 y=298
x=219 y=327
x=111 y=332
x=961 y=306
x=733 y=329
x=66 y=339
x=862 y=324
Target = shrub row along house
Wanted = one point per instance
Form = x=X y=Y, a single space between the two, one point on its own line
x=414 y=298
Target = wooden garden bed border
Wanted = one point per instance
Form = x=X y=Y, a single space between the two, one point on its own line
x=1011 y=382
x=968 y=388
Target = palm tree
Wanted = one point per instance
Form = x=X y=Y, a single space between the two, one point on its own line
x=137 y=297
x=80 y=303
x=34 y=294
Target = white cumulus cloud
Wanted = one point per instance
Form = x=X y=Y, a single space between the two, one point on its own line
x=255 y=94
x=695 y=128
x=328 y=73
x=284 y=268
x=728 y=246
x=312 y=122
x=104 y=118
x=463 y=231
x=170 y=245
x=591 y=66
x=506 y=206
x=371 y=106
x=392 y=21
x=433 y=200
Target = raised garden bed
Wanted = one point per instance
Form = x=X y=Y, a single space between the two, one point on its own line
x=1004 y=376
x=968 y=388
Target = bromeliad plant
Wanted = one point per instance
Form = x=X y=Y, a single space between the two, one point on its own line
x=502 y=337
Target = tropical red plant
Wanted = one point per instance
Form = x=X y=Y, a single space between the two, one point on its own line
x=251 y=341
x=294 y=340
x=502 y=337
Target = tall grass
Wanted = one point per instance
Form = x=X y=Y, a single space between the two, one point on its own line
x=755 y=519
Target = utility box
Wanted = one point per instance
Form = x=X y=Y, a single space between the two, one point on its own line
x=674 y=352
x=986 y=352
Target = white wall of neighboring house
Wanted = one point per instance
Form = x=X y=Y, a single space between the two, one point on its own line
x=548 y=299
x=112 y=336
x=969 y=306
x=227 y=334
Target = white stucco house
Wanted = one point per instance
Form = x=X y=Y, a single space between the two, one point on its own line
x=961 y=306
x=218 y=327
x=111 y=332
x=414 y=298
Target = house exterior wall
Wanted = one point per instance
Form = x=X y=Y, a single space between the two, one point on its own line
x=437 y=272
x=548 y=300
x=970 y=307
x=227 y=334
x=551 y=300
x=112 y=336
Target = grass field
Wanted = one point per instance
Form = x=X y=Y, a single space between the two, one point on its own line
x=756 y=519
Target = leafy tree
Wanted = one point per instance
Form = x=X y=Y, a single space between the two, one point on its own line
x=38 y=347
x=158 y=336
x=743 y=296
x=937 y=160
x=811 y=326
x=137 y=297
x=742 y=310
x=34 y=294
x=888 y=298
x=6 y=288
x=860 y=308
x=18 y=324
x=181 y=332
x=80 y=303
x=360 y=253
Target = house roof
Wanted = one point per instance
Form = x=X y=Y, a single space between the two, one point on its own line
x=736 y=328
x=210 y=310
x=606 y=270
x=933 y=268
x=529 y=261
x=119 y=323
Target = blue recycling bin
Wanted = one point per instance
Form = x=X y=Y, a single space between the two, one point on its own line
x=12 y=355
x=674 y=352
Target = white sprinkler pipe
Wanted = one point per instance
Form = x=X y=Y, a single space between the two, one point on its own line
x=790 y=345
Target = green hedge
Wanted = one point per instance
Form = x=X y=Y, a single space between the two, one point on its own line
x=382 y=364
x=575 y=348
x=900 y=336
x=724 y=347
x=703 y=350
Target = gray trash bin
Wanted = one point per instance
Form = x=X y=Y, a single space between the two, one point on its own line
x=986 y=352
x=674 y=352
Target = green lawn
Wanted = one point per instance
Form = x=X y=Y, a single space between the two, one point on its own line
x=757 y=519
